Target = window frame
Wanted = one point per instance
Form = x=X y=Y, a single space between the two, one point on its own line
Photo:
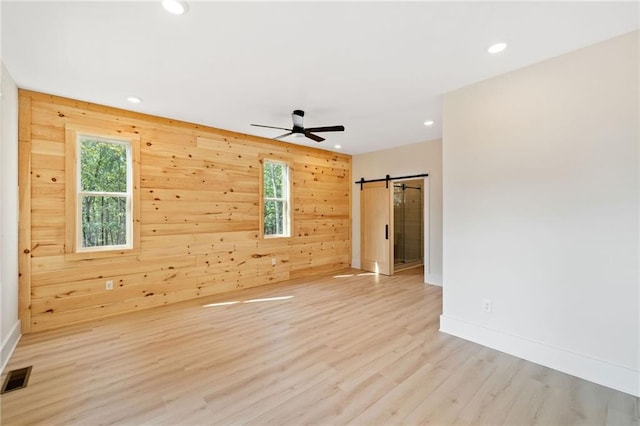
x=286 y=199
x=74 y=193
x=127 y=195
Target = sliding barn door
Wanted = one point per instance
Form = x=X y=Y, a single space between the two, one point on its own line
x=376 y=228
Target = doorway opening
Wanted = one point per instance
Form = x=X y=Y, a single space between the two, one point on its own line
x=408 y=217
x=394 y=225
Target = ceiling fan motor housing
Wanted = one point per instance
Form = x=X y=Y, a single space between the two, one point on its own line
x=297 y=118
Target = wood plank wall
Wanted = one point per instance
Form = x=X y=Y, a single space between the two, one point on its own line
x=199 y=222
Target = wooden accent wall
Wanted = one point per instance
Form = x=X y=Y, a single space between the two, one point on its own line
x=199 y=215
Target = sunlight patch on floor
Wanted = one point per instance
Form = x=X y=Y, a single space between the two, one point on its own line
x=211 y=305
x=266 y=299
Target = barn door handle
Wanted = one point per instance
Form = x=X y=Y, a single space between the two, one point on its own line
x=386 y=232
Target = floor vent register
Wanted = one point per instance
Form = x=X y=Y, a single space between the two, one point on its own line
x=16 y=379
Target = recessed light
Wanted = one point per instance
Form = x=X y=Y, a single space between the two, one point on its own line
x=177 y=7
x=337 y=146
x=429 y=123
x=134 y=99
x=497 y=48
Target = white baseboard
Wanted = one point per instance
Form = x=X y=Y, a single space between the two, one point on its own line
x=586 y=367
x=433 y=280
x=9 y=345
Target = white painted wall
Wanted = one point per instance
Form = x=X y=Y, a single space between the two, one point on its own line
x=541 y=212
x=424 y=157
x=9 y=324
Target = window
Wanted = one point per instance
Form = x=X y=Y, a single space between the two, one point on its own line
x=276 y=215
x=102 y=198
x=104 y=193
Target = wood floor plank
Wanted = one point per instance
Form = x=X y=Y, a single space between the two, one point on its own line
x=348 y=348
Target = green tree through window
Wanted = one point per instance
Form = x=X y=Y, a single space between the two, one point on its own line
x=105 y=192
x=275 y=180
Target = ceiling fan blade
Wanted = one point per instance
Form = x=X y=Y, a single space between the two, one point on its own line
x=326 y=129
x=283 y=136
x=312 y=136
x=270 y=127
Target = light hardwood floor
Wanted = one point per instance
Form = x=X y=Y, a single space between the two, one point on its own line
x=347 y=349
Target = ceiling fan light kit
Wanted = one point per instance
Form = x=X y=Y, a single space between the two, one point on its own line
x=298 y=129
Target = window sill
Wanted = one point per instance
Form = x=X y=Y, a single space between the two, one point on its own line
x=102 y=254
x=272 y=237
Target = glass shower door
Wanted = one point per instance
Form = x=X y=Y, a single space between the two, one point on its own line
x=408 y=224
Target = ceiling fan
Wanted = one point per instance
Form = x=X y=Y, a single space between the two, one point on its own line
x=298 y=128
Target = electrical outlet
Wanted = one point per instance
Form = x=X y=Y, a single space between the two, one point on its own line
x=109 y=285
x=273 y=261
x=487 y=305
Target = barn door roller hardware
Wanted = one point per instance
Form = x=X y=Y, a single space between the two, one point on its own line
x=388 y=178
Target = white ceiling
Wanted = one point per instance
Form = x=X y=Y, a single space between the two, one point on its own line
x=378 y=68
